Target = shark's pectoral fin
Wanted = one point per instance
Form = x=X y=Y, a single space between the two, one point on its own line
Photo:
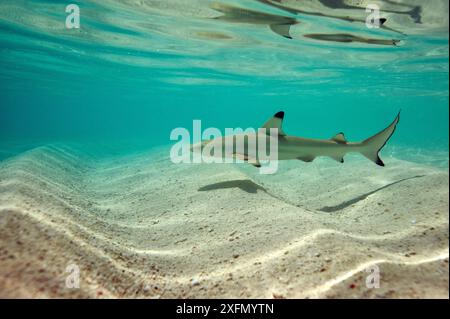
x=339 y=138
x=281 y=29
x=307 y=158
x=247 y=159
x=257 y=164
x=275 y=121
x=339 y=159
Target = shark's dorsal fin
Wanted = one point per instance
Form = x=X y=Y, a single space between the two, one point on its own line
x=339 y=138
x=282 y=29
x=275 y=121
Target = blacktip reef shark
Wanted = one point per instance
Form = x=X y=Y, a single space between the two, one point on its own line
x=347 y=38
x=414 y=11
x=277 y=23
x=281 y=24
x=300 y=148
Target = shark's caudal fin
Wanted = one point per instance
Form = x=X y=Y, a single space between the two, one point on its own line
x=372 y=145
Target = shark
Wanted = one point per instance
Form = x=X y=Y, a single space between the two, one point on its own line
x=277 y=23
x=414 y=12
x=297 y=148
x=280 y=5
x=281 y=24
x=347 y=38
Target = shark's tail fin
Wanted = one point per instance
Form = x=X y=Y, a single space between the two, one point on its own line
x=374 y=144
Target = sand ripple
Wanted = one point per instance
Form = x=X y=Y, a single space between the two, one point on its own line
x=139 y=226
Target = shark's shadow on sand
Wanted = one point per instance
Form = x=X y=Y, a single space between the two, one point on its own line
x=331 y=209
x=244 y=184
x=251 y=187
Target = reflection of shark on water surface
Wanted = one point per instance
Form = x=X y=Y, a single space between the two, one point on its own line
x=277 y=23
x=346 y=38
x=413 y=11
x=293 y=147
x=281 y=24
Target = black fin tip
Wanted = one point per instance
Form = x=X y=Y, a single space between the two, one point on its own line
x=279 y=115
x=379 y=162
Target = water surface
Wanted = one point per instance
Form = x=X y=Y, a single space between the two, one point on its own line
x=137 y=69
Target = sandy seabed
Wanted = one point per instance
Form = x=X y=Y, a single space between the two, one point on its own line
x=139 y=226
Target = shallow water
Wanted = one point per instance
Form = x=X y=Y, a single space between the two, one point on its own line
x=137 y=69
x=85 y=122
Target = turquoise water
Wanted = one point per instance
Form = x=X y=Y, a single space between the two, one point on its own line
x=135 y=70
x=91 y=206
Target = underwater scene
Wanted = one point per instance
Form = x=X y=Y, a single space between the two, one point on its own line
x=224 y=149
